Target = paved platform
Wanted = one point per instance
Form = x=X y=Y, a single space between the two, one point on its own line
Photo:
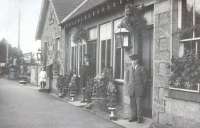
x=122 y=122
x=126 y=124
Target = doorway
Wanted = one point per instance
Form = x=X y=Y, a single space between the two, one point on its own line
x=147 y=59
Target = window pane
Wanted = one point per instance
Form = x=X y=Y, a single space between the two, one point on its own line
x=198 y=48
x=73 y=59
x=80 y=55
x=91 y=48
x=93 y=34
x=189 y=47
x=187 y=18
x=106 y=31
x=117 y=63
x=197 y=18
x=76 y=59
x=108 y=53
x=118 y=41
x=122 y=71
x=103 y=47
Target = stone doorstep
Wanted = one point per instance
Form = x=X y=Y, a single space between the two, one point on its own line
x=122 y=122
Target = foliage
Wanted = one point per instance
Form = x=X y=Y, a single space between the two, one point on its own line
x=133 y=19
x=111 y=94
x=80 y=35
x=185 y=71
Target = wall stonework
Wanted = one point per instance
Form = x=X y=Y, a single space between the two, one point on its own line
x=161 y=55
x=172 y=112
x=51 y=31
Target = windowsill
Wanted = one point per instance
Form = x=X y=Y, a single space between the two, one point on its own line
x=184 y=94
x=91 y=40
x=184 y=90
x=119 y=81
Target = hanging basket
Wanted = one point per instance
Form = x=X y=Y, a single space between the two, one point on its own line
x=80 y=35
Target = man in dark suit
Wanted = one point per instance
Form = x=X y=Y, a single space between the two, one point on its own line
x=137 y=81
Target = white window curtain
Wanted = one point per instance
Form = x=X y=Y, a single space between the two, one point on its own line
x=106 y=31
x=93 y=34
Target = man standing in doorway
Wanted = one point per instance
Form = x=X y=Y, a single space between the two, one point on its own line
x=137 y=81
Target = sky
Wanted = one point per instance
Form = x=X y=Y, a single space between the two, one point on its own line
x=9 y=12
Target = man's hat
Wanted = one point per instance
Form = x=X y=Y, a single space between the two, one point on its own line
x=134 y=57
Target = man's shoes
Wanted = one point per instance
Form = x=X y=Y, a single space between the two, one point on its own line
x=132 y=120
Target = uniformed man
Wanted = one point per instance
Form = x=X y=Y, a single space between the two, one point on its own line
x=137 y=82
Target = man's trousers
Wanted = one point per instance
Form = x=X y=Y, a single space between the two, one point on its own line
x=136 y=107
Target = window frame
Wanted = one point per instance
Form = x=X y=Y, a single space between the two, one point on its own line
x=100 y=45
x=180 y=18
x=179 y=93
x=122 y=52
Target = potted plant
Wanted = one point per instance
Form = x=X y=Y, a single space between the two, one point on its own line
x=81 y=34
x=185 y=72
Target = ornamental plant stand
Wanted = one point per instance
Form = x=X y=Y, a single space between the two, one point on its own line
x=112 y=99
x=112 y=115
x=73 y=88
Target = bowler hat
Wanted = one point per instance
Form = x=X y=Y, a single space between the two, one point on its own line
x=134 y=57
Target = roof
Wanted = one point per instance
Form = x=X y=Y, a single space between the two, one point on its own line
x=90 y=4
x=62 y=8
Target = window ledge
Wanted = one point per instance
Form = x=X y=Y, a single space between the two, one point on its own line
x=183 y=94
x=119 y=81
x=184 y=90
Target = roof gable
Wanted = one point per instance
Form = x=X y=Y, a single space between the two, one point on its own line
x=62 y=8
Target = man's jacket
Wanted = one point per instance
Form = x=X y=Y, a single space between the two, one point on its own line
x=137 y=81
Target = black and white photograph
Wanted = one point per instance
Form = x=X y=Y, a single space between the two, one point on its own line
x=100 y=64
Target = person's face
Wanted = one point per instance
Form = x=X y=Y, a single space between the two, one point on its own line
x=86 y=60
x=134 y=62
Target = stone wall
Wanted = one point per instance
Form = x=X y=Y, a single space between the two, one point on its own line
x=161 y=57
x=169 y=111
x=51 y=32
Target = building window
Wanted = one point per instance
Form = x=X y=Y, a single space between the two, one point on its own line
x=58 y=44
x=105 y=46
x=93 y=34
x=119 y=54
x=189 y=25
x=105 y=53
x=92 y=48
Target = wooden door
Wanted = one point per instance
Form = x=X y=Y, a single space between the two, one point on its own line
x=147 y=59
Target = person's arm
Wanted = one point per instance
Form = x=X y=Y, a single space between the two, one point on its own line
x=144 y=75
